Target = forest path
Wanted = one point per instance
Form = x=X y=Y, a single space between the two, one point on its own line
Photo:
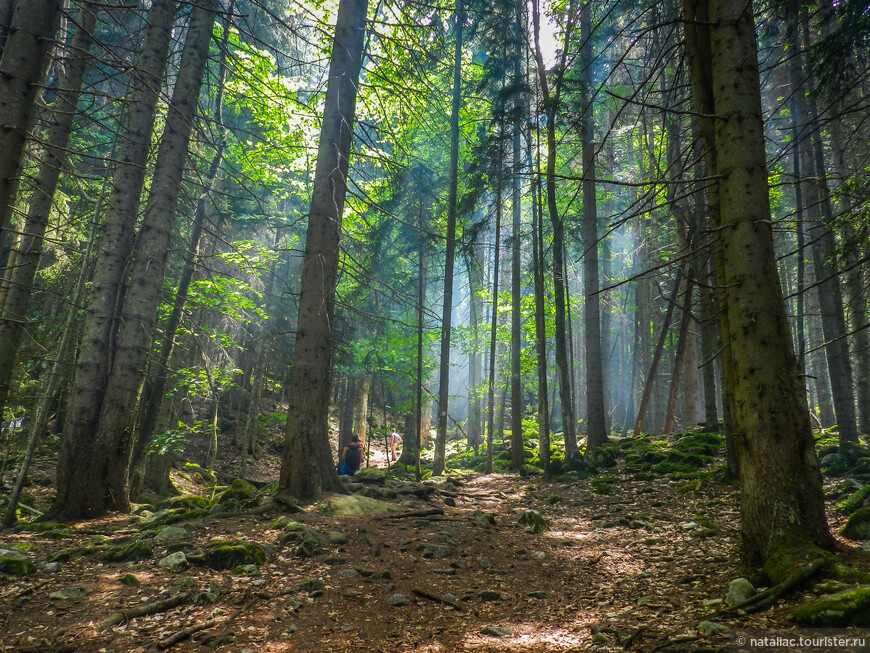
x=625 y=563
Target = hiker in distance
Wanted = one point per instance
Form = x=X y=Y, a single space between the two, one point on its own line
x=351 y=457
x=395 y=439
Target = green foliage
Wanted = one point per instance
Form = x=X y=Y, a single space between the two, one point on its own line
x=174 y=440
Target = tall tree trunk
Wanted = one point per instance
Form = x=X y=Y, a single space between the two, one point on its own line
x=596 y=416
x=856 y=287
x=817 y=360
x=306 y=465
x=493 y=333
x=475 y=302
x=821 y=219
x=361 y=408
x=450 y=254
x=21 y=69
x=657 y=355
x=709 y=345
x=682 y=344
x=82 y=489
x=345 y=421
x=540 y=329
x=517 y=453
x=550 y=105
x=115 y=433
x=38 y=425
x=154 y=395
x=782 y=504
x=29 y=250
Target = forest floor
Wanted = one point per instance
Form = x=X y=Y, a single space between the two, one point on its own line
x=627 y=564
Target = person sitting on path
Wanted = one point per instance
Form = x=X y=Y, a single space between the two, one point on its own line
x=351 y=457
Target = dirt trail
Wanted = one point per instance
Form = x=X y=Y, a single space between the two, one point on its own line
x=625 y=563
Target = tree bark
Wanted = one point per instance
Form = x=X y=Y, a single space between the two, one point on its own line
x=821 y=218
x=475 y=302
x=82 y=489
x=29 y=249
x=682 y=344
x=596 y=417
x=21 y=69
x=540 y=330
x=115 y=433
x=782 y=504
x=493 y=333
x=550 y=106
x=450 y=254
x=306 y=465
x=517 y=453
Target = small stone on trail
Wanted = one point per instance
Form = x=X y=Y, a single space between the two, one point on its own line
x=712 y=603
x=539 y=594
x=128 y=579
x=739 y=590
x=50 y=567
x=711 y=629
x=482 y=519
x=534 y=520
x=337 y=538
x=689 y=526
x=311 y=584
x=491 y=595
x=484 y=563
x=289 y=630
x=448 y=501
x=497 y=631
x=170 y=534
x=174 y=562
x=71 y=593
x=397 y=600
x=348 y=573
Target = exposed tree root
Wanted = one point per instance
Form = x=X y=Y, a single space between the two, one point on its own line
x=767 y=598
x=184 y=633
x=416 y=513
x=438 y=599
x=142 y=610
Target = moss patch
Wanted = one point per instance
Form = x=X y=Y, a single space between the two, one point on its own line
x=187 y=501
x=136 y=550
x=226 y=554
x=13 y=562
x=849 y=608
x=858 y=526
x=355 y=506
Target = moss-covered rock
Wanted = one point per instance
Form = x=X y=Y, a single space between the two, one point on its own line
x=857 y=500
x=170 y=516
x=371 y=475
x=226 y=554
x=848 y=608
x=311 y=543
x=187 y=501
x=240 y=491
x=604 y=455
x=533 y=521
x=127 y=551
x=858 y=526
x=15 y=563
x=355 y=506
x=128 y=579
x=378 y=492
x=48 y=529
x=285 y=523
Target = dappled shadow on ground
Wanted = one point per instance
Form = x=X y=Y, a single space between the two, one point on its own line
x=626 y=562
